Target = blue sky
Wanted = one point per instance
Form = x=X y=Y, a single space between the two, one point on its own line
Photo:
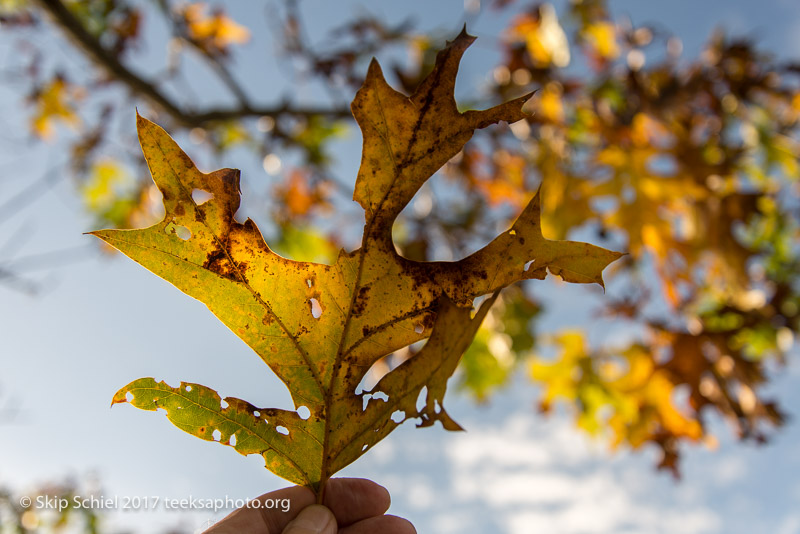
x=104 y=322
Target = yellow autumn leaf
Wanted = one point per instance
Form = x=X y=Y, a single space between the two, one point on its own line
x=321 y=327
x=215 y=31
x=543 y=36
x=54 y=103
x=548 y=103
x=107 y=178
x=613 y=156
x=601 y=36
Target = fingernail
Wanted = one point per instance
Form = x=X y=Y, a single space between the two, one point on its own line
x=315 y=519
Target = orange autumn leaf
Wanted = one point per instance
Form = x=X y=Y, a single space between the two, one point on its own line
x=297 y=197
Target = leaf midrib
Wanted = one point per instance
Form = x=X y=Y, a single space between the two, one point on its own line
x=360 y=271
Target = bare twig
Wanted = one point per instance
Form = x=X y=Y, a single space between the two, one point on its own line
x=14 y=204
x=13 y=281
x=179 y=29
x=49 y=259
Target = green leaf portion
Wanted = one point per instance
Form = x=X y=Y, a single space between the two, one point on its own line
x=282 y=437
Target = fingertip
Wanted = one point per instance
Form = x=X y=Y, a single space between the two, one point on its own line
x=379 y=495
x=299 y=498
x=385 y=524
x=354 y=499
x=314 y=519
x=399 y=525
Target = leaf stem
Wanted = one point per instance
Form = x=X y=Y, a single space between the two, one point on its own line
x=321 y=492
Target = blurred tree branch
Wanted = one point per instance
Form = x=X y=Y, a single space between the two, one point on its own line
x=148 y=90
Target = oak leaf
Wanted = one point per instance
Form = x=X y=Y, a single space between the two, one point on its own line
x=321 y=327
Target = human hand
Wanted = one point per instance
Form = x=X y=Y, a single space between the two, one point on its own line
x=352 y=506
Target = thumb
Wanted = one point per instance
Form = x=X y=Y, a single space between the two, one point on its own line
x=314 y=519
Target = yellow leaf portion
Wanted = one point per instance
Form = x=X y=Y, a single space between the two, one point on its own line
x=54 y=104
x=321 y=327
x=602 y=37
x=216 y=31
x=549 y=105
x=543 y=36
x=107 y=178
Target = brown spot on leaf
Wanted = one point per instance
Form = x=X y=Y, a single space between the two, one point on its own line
x=361 y=300
x=218 y=262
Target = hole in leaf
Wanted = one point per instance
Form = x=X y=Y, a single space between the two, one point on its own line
x=256 y=413
x=232 y=441
x=419 y=328
x=316 y=309
x=183 y=233
x=129 y=397
x=398 y=416
x=376 y=372
x=217 y=435
x=201 y=196
x=380 y=395
x=223 y=404
x=528 y=265
x=309 y=283
x=422 y=399
x=364 y=447
x=282 y=430
x=304 y=412
x=188 y=388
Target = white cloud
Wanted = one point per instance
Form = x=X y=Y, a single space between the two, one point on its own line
x=521 y=475
x=789 y=525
